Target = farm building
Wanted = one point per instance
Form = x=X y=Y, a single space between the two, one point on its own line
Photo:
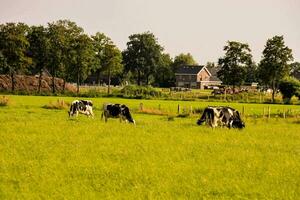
x=195 y=76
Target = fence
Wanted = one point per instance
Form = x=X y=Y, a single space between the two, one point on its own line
x=264 y=112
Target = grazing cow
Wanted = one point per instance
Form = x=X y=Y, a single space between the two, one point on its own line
x=222 y=116
x=117 y=111
x=81 y=106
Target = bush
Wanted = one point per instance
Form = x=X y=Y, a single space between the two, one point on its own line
x=288 y=88
x=4 y=101
x=140 y=92
x=59 y=105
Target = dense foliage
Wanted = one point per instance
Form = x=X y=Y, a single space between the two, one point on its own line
x=63 y=49
x=236 y=63
x=288 y=88
x=274 y=64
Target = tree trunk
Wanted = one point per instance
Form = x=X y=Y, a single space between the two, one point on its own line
x=64 y=85
x=108 y=89
x=273 y=91
x=12 y=75
x=147 y=80
x=53 y=81
x=40 y=81
x=98 y=76
x=139 y=78
x=78 y=80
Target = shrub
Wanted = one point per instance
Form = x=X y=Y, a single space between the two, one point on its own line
x=4 y=101
x=288 y=88
x=140 y=91
x=59 y=105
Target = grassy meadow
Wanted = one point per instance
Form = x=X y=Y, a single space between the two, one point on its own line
x=46 y=155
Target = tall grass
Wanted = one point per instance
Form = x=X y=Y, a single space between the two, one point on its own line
x=4 y=101
x=59 y=104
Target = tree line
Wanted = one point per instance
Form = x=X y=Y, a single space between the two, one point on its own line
x=66 y=51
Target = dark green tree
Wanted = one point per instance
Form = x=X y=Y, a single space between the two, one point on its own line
x=164 y=76
x=82 y=58
x=14 y=49
x=211 y=65
x=294 y=68
x=108 y=58
x=142 y=56
x=100 y=40
x=112 y=62
x=289 y=87
x=235 y=63
x=62 y=34
x=251 y=73
x=274 y=64
x=183 y=59
x=39 y=49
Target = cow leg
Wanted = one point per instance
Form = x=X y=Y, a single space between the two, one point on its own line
x=92 y=114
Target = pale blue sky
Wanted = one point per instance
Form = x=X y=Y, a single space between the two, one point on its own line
x=200 y=27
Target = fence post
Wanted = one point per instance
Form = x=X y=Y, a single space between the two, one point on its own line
x=264 y=112
x=191 y=109
x=141 y=106
x=284 y=113
x=269 y=112
x=158 y=106
x=178 y=109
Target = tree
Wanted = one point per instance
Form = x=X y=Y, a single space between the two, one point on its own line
x=294 y=68
x=62 y=33
x=39 y=49
x=142 y=56
x=82 y=55
x=210 y=65
x=112 y=62
x=164 y=75
x=3 y=64
x=235 y=63
x=13 y=48
x=251 y=73
x=100 y=41
x=289 y=87
x=108 y=58
x=274 y=64
x=183 y=59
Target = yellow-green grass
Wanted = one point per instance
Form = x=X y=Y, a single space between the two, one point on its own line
x=46 y=155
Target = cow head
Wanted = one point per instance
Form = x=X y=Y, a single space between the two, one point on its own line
x=199 y=122
x=238 y=124
x=126 y=113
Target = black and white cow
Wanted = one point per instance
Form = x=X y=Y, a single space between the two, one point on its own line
x=81 y=106
x=221 y=116
x=117 y=111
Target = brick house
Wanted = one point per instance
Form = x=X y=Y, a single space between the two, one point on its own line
x=195 y=76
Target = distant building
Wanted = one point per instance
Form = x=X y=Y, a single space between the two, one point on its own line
x=195 y=76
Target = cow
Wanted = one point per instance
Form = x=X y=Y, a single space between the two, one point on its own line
x=120 y=111
x=221 y=116
x=81 y=106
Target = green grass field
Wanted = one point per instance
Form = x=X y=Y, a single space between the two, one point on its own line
x=46 y=155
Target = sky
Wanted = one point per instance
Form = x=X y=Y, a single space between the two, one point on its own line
x=199 y=27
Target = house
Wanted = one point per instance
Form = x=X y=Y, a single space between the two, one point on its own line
x=195 y=76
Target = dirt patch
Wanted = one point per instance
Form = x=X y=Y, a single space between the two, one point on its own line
x=31 y=83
